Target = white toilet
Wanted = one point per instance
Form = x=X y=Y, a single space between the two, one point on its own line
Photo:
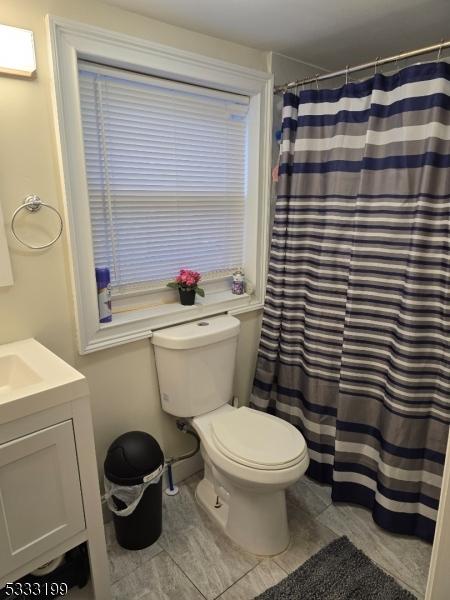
x=250 y=457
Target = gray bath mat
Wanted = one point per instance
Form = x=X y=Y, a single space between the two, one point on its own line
x=338 y=572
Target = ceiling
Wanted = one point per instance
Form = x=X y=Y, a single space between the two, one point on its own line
x=327 y=33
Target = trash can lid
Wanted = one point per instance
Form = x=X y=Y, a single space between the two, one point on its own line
x=131 y=457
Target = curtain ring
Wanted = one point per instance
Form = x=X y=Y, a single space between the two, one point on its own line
x=376 y=65
x=396 y=60
x=440 y=50
x=317 y=82
x=346 y=74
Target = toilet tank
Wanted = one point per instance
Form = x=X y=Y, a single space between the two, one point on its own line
x=195 y=364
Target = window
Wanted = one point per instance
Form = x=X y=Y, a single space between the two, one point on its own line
x=167 y=173
x=165 y=162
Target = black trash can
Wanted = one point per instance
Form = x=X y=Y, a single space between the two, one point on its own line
x=134 y=459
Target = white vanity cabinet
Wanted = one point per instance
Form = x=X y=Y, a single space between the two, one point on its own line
x=40 y=494
x=49 y=492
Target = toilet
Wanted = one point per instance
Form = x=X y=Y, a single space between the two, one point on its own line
x=250 y=457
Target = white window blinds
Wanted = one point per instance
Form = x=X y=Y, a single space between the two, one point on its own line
x=167 y=176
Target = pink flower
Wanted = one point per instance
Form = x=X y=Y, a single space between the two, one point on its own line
x=187 y=278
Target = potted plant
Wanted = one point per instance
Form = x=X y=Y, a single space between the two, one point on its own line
x=186 y=282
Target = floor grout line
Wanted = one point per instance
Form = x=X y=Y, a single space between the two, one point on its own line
x=185 y=574
x=137 y=567
x=167 y=551
x=323 y=510
x=277 y=563
x=193 y=583
x=239 y=579
x=326 y=544
x=211 y=521
x=397 y=577
x=282 y=568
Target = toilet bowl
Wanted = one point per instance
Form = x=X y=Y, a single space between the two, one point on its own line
x=250 y=457
x=250 y=460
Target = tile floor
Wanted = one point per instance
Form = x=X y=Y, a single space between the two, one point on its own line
x=193 y=560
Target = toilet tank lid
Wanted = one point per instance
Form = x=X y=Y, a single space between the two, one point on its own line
x=197 y=333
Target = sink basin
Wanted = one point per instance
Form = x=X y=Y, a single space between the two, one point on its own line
x=15 y=374
x=33 y=379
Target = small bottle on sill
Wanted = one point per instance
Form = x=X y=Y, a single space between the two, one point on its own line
x=237 y=287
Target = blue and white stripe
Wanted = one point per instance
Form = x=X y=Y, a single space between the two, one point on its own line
x=355 y=339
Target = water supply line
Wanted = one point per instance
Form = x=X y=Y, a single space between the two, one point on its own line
x=184 y=427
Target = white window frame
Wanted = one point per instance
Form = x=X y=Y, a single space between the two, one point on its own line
x=71 y=41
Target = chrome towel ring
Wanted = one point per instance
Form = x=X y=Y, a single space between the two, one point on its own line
x=33 y=203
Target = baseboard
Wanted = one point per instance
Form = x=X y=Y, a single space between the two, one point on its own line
x=180 y=471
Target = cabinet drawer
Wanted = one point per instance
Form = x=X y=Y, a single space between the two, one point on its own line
x=40 y=495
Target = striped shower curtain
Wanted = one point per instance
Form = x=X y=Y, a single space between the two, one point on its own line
x=355 y=340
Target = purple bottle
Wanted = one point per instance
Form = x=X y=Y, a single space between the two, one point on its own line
x=103 y=279
x=237 y=287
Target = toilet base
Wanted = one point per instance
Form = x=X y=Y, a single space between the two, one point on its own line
x=207 y=497
x=255 y=521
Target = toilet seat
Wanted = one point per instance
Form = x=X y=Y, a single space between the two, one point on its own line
x=257 y=440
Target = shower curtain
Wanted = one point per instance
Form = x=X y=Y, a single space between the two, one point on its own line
x=354 y=348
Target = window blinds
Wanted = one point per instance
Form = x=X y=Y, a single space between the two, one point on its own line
x=166 y=169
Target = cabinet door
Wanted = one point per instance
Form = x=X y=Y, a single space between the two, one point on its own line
x=40 y=495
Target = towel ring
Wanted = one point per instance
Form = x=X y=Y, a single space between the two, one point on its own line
x=33 y=203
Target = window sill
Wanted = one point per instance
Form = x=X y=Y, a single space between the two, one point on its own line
x=135 y=325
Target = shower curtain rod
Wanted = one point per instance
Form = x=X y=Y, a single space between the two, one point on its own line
x=374 y=63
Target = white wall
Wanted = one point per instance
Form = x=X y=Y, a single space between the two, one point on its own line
x=122 y=380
